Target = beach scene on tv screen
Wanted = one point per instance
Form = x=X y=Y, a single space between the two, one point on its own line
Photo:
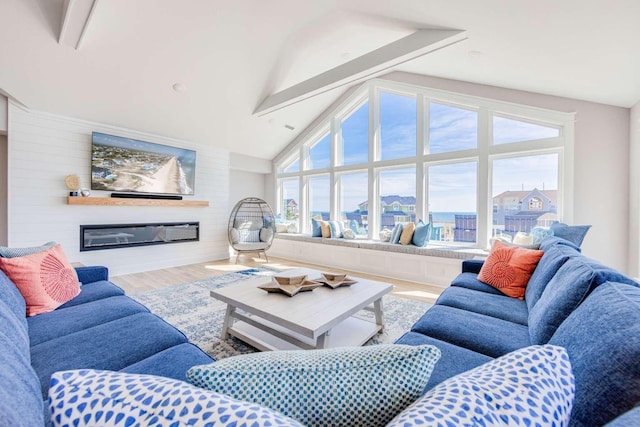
x=122 y=164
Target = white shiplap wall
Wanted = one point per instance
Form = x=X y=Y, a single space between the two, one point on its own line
x=44 y=148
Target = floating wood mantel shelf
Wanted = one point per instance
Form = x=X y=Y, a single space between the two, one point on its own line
x=108 y=201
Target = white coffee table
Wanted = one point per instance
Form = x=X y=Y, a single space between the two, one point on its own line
x=315 y=319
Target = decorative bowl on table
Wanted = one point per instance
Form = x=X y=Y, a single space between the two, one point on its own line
x=290 y=286
x=334 y=280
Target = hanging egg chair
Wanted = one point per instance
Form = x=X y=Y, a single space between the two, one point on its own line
x=252 y=226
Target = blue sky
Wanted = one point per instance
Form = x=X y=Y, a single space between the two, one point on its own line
x=452 y=187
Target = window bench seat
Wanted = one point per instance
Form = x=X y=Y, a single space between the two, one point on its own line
x=430 y=265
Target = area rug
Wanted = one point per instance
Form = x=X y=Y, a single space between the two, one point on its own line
x=190 y=309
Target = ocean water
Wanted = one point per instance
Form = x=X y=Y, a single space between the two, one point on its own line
x=448 y=217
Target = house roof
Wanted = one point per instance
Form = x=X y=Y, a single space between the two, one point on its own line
x=198 y=70
x=403 y=200
x=552 y=195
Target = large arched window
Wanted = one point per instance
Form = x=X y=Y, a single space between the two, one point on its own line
x=394 y=153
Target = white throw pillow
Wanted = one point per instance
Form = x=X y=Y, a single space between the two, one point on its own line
x=235 y=235
x=266 y=234
x=348 y=234
x=385 y=235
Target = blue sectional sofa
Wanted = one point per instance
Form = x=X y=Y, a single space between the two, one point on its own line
x=100 y=329
x=571 y=301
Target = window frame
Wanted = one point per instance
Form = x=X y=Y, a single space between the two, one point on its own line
x=483 y=154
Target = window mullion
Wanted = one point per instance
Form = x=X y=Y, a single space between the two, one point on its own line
x=484 y=199
x=421 y=193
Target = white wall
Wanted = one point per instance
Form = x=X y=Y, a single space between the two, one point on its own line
x=601 y=161
x=44 y=148
x=3 y=190
x=634 y=191
x=4 y=108
x=245 y=184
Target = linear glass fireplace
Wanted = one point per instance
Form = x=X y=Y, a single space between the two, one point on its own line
x=111 y=236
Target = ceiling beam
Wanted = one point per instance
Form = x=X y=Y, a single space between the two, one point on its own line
x=364 y=67
x=76 y=17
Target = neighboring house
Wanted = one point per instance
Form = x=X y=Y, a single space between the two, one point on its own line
x=520 y=210
x=290 y=208
x=393 y=209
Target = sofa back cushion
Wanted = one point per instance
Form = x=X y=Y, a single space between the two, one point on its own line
x=551 y=241
x=20 y=398
x=565 y=292
x=554 y=257
x=602 y=337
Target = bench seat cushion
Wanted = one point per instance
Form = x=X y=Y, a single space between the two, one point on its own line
x=498 y=306
x=112 y=346
x=76 y=318
x=94 y=291
x=483 y=334
x=454 y=359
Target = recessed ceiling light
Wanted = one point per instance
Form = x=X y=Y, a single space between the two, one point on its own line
x=289 y=127
x=345 y=55
x=179 y=87
x=475 y=53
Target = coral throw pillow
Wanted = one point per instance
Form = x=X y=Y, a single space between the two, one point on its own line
x=509 y=268
x=45 y=279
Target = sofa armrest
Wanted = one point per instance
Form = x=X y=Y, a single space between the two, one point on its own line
x=92 y=274
x=472 y=265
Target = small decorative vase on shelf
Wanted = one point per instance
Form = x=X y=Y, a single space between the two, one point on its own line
x=85 y=192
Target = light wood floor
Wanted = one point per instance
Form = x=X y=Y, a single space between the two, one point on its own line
x=149 y=280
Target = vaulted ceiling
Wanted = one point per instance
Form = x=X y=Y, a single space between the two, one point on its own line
x=229 y=56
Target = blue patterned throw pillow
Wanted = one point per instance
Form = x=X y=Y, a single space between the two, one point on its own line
x=361 y=386
x=533 y=386
x=106 y=398
x=6 y=252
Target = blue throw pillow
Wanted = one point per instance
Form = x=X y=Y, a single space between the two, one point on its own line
x=336 y=229
x=573 y=233
x=358 y=386
x=316 y=228
x=602 y=337
x=421 y=234
x=94 y=398
x=532 y=386
x=540 y=233
x=396 y=233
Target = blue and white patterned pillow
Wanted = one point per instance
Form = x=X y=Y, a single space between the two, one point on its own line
x=361 y=386
x=533 y=386
x=91 y=398
x=249 y=236
x=6 y=252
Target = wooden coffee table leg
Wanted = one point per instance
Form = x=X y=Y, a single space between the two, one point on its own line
x=227 y=322
x=377 y=309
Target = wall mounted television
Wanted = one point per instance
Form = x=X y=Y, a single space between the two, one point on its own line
x=129 y=165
